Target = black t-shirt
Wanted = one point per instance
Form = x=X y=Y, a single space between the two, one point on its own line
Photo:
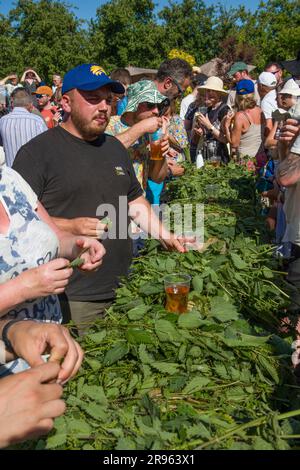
x=71 y=178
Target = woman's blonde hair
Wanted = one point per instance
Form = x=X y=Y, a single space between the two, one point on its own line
x=244 y=102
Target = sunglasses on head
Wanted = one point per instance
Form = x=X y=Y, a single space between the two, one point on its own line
x=275 y=71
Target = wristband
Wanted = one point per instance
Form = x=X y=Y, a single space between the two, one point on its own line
x=5 y=339
x=211 y=128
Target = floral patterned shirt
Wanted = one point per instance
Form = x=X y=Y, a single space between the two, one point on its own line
x=28 y=243
x=139 y=152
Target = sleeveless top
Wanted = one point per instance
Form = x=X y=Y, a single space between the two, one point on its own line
x=251 y=141
x=28 y=243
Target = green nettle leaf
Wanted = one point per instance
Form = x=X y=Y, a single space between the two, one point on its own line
x=76 y=263
x=150 y=288
x=222 y=310
x=93 y=363
x=145 y=358
x=116 y=353
x=246 y=341
x=125 y=443
x=167 y=332
x=133 y=383
x=95 y=392
x=268 y=274
x=95 y=411
x=238 y=262
x=176 y=383
x=221 y=371
x=169 y=368
x=135 y=336
x=55 y=441
x=198 y=430
x=182 y=352
x=97 y=337
x=189 y=320
x=198 y=283
x=73 y=401
x=138 y=313
x=269 y=368
x=196 y=384
x=78 y=426
x=260 y=444
x=60 y=425
x=195 y=352
x=170 y=266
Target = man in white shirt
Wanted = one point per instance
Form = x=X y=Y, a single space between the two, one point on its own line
x=196 y=81
x=267 y=85
x=19 y=126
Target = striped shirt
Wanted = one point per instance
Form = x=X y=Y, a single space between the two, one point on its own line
x=16 y=129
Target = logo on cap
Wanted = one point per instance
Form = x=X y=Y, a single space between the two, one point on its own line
x=96 y=70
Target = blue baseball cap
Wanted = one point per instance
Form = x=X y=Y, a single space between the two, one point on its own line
x=89 y=77
x=245 y=87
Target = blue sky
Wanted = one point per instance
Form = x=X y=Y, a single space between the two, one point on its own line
x=87 y=8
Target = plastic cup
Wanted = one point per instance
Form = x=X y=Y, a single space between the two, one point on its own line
x=155 y=145
x=177 y=287
x=215 y=161
x=211 y=191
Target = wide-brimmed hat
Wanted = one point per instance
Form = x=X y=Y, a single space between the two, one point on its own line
x=213 y=83
x=292 y=66
x=144 y=91
x=237 y=67
x=290 y=88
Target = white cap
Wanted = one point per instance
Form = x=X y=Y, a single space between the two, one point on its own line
x=268 y=79
x=291 y=88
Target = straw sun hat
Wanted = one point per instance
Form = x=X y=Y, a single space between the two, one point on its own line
x=213 y=83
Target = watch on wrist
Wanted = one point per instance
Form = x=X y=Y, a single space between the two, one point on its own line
x=6 y=341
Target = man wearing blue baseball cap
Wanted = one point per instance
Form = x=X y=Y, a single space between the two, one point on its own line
x=76 y=169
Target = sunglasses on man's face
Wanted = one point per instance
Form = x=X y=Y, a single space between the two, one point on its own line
x=151 y=105
x=180 y=90
x=40 y=96
x=162 y=107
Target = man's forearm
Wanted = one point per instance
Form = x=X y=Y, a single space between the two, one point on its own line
x=158 y=170
x=142 y=213
x=130 y=136
x=64 y=224
x=288 y=172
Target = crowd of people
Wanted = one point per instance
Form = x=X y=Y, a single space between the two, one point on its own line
x=90 y=141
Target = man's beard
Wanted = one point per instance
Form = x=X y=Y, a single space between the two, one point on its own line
x=88 y=130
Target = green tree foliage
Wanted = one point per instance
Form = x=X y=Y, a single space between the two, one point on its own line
x=189 y=26
x=273 y=30
x=48 y=36
x=125 y=32
x=9 y=46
